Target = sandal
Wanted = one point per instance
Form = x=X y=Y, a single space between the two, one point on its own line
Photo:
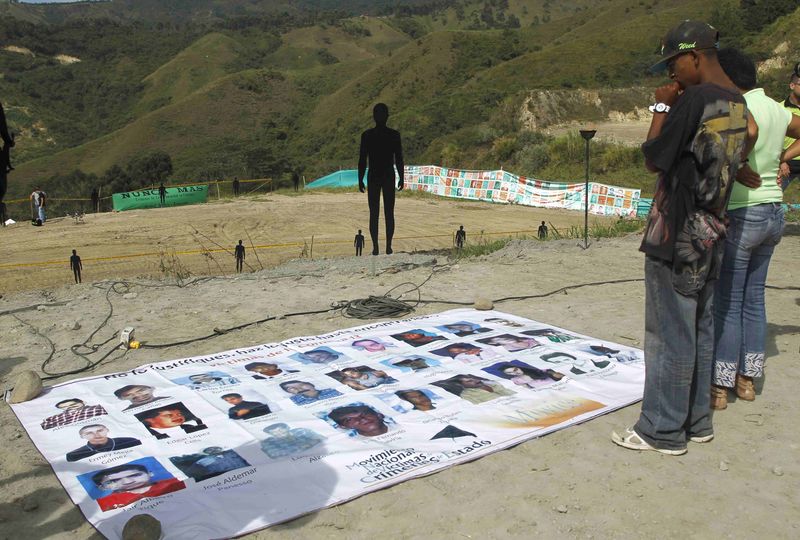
x=631 y=440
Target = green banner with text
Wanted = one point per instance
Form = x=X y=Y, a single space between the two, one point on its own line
x=151 y=198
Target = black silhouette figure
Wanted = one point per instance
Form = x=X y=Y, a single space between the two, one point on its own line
x=461 y=237
x=95 y=200
x=542 y=231
x=359 y=243
x=5 y=161
x=162 y=193
x=382 y=149
x=76 y=265
x=239 y=253
x=296 y=181
x=235 y=186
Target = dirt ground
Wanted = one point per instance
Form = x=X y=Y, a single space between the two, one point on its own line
x=629 y=133
x=571 y=484
x=142 y=242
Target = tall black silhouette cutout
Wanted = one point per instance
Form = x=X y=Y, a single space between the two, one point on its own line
x=382 y=149
x=162 y=194
x=5 y=161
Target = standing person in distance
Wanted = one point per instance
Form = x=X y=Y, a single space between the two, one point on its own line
x=382 y=149
x=162 y=194
x=461 y=237
x=239 y=254
x=755 y=227
x=699 y=133
x=542 y=231
x=358 y=243
x=76 y=265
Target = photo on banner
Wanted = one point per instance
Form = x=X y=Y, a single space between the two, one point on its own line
x=122 y=485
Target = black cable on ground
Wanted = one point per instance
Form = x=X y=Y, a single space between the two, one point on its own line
x=86 y=348
x=220 y=332
x=372 y=307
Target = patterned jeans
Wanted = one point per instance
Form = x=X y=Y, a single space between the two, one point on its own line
x=678 y=353
x=740 y=318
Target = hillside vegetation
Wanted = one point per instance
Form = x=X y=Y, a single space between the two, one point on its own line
x=266 y=88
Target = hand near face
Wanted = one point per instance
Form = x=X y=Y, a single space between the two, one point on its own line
x=668 y=93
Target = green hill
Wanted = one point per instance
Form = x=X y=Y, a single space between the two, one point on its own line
x=230 y=93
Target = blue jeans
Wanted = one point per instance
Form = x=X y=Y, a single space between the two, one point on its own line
x=739 y=315
x=678 y=353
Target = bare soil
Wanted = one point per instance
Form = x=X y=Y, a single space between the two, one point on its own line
x=165 y=241
x=571 y=484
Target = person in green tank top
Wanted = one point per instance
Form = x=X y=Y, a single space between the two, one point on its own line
x=755 y=227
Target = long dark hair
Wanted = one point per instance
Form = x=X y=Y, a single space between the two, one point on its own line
x=530 y=371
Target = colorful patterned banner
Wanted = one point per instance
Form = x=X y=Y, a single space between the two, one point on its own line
x=505 y=187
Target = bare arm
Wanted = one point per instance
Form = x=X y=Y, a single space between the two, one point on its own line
x=362 y=161
x=666 y=94
x=752 y=136
x=398 y=160
x=792 y=131
x=746 y=175
x=4 y=134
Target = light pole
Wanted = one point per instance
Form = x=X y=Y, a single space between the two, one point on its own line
x=587 y=135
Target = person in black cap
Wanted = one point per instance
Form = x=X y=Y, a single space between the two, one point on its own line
x=790 y=169
x=699 y=135
x=382 y=148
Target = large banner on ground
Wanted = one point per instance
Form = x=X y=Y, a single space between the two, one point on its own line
x=151 y=198
x=505 y=187
x=215 y=446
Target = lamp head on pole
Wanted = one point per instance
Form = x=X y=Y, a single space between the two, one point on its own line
x=588 y=133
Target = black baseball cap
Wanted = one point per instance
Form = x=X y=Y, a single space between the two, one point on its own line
x=685 y=37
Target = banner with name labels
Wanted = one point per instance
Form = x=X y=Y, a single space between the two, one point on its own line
x=220 y=445
x=505 y=187
x=151 y=198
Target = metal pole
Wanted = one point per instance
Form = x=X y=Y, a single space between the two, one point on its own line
x=586 y=202
x=587 y=134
